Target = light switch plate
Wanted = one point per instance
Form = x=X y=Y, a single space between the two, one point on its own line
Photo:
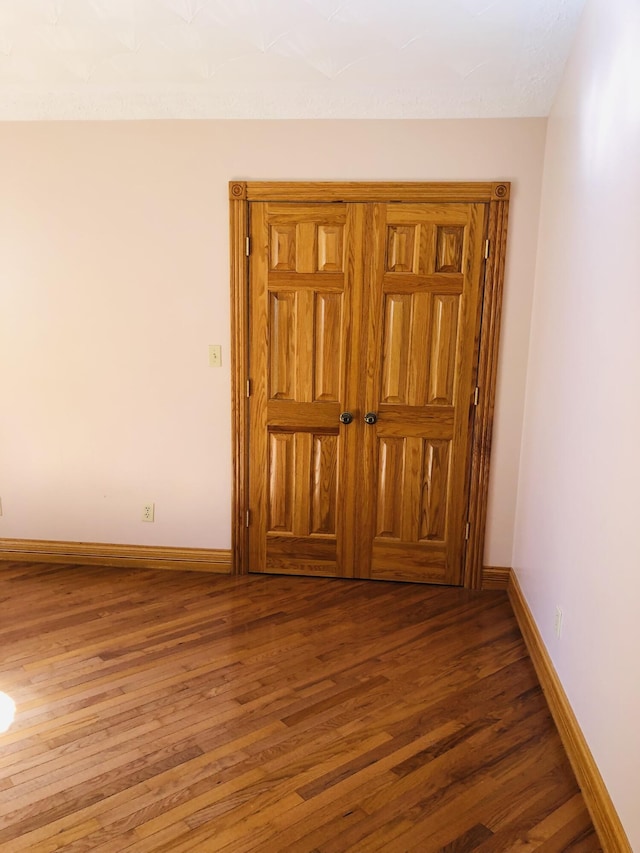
x=215 y=355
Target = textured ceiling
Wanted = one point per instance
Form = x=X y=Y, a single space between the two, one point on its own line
x=67 y=59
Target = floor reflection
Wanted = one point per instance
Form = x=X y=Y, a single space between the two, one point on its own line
x=7 y=711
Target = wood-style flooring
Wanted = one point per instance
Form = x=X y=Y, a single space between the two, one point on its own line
x=177 y=711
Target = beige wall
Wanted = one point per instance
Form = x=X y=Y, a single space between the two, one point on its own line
x=114 y=246
x=578 y=508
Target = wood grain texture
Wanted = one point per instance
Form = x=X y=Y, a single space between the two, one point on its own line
x=596 y=796
x=408 y=250
x=421 y=355
x=162 y=712
x=106 y=554
x=238 y=233
x=351 y=191
x=304 y=316
x=486 y=382
x=496 y=577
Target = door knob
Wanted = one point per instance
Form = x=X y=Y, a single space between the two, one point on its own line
x=346 y=418
x=370 y=418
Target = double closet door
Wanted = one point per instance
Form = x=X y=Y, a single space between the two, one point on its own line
x=364 y=322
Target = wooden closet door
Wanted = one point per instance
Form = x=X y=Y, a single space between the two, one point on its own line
x=369 y=310
x=305 y=332
x=423 y=277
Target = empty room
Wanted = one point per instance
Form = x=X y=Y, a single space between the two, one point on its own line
x=319 y=383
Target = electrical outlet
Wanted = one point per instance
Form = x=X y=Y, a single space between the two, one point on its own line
x=558 y=622
x=148 y=511
x=215 y=355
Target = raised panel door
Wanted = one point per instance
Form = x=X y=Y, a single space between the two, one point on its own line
x=363 y=307
x=305 y=330
x=423 y=289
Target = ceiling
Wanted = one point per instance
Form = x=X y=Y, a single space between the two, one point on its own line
x=136 y=59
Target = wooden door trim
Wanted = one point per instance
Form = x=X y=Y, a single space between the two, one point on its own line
x=327 y=191
x=496 y=195
x=239 y=234
x=486 y=382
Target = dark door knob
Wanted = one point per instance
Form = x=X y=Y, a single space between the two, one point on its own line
x=346 y=418
x=370 y=418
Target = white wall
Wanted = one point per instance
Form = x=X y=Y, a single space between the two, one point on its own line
x=114 y=278
x=579 y=499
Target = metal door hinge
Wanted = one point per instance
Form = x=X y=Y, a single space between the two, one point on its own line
x=476 y=396
x=247 y=246
x=467 y=530
x=247 y=521
x=248 y=387
x=486 y=249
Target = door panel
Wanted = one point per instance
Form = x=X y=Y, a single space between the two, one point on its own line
x=304 y=314
x=423 y=282
x=363 y=307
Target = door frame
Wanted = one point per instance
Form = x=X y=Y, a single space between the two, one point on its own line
x=241 y=194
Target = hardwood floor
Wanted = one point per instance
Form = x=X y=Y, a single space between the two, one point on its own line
x=177 y=711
